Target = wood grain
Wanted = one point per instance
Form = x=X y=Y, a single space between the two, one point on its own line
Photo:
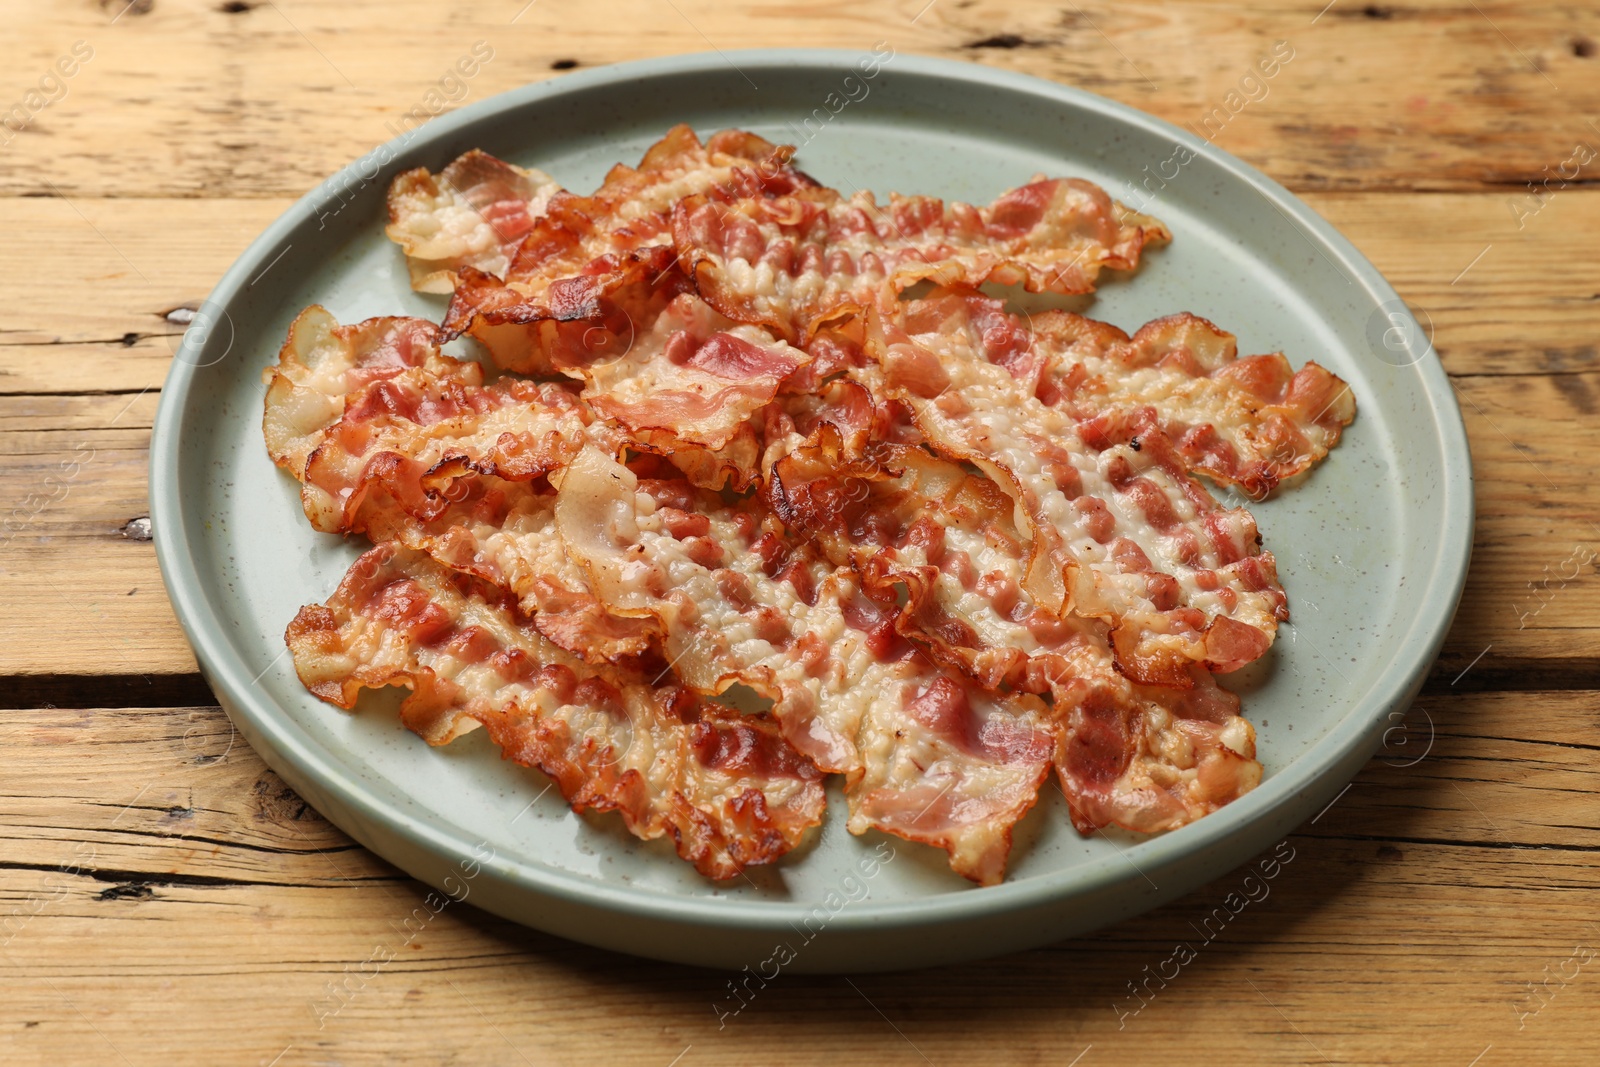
x=74 y=470
x=198 y=889
x=165 y=899
x=1525 y=307
x=86 y=285
x=184 y=98
x=1532 y=598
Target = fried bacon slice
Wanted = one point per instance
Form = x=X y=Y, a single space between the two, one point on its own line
x=504 y=533
x=1249 y=422
x=1117 y=527
x=418 y=434
x=676 y=377
x=348 y=407
x=927 y=754
x=474 y=213
x=596 y=311
x=633 y=207
x=1143 y=758
x=322 y=363
x=976 y=548
x=394 y=465
x=725 y=786
x=694 y=378
x=582 y=249
x=792 y=263
x=341 y=397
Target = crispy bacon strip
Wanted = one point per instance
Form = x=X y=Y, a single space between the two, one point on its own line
x=927 y=755
x=676 y=377
x=322 y=363
x=411 y=459
x=725 y=786
x=1249 y=422
x=632 y=209
x=347 y=407
x=795 y=262
x=474 y=213
x=1118 y=529
x=504 y=533
x=572 y=321
x=1142 y=758
x=583 y=249
x=416 y=434
x=694 y=377
x=728 y=316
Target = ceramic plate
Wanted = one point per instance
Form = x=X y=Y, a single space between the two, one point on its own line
x=1372 y=549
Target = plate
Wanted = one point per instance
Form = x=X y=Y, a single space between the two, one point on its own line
x=1373 y=548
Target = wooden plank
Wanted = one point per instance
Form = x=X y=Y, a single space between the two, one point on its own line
x=210 y=895
x=1532 y=599
x=85 y=285
x=1534 y=588
x=1438 y=913
x=73 y=470
x=196 y=98
x=1512 y=312
x=1498 y=299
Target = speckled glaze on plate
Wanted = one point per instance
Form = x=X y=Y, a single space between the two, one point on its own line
x=1372 y=548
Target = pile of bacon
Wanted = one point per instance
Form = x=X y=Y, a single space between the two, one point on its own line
x=731 y=511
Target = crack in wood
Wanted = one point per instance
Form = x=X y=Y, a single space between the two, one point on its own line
x=174 y=878
x=190 y=838
x=1510 y=675
x=1520 y=674
x=1460 y=842
x=122 y=340
x=106 y=691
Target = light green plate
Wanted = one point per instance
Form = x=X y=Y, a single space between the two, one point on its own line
x=1373 y=548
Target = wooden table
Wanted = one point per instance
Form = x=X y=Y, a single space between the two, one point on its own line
x=164 y=898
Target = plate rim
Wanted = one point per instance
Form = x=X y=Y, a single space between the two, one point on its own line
x=223 y=667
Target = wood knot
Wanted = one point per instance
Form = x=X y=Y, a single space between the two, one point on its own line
x=276 y=802
x=128 y=891
x=1002 y=40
